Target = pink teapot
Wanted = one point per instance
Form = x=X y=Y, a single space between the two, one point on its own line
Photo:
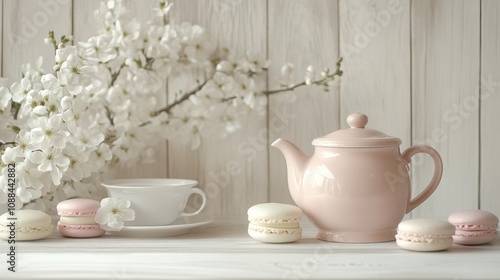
x=356 y=186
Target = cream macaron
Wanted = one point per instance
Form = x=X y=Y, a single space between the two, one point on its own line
x=25 y=225
x=425 y=235
x=275 y=222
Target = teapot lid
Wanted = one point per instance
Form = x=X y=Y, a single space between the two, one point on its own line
x=357 y=135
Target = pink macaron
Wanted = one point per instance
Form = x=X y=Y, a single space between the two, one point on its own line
x=425 y=235
x=474 y=227
x=78 y=218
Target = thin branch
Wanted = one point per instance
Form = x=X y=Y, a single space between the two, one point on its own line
x=182 y=99
x=6 y=143
x=108 y=114
x=17 y=107
x=114 y=76
x=53 y=41
x=178 y=101
x=269 y=92
x=186 y=96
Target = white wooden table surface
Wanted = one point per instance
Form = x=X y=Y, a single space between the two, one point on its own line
x=225 y=251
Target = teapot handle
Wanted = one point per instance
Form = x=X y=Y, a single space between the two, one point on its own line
x=438 y=172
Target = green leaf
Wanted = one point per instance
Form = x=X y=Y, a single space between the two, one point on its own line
x=16 y=129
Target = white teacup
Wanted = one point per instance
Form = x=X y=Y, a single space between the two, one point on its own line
x=156 y=202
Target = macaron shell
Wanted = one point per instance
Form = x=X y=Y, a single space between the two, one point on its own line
x=78 y=207
x=274 y=213
x=425 y=235
x=474 y=237
x=37 y=234
x=272 y=235
x=474 y=220
x=440 y=245
x=427 y=227
x=80 y=231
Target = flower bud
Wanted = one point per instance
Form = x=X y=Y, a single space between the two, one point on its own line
x=287 y=69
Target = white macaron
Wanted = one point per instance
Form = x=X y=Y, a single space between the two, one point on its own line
x=275 y=222
x=26 y=225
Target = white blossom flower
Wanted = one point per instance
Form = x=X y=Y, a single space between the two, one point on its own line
x=5 y=97
x=62 y=54
x=20 y=90
x=10 y=155
x=286 y=73
x=163 y=41
x=52 y=162
x=103 y=104
x=26 y=195
x=100 y=156
x=78 y=168
x=87 y=138
x=310 y=75
x=242 y=84
x=29 y=176
x=24 y=142
x=126 y=33
x=60 y=85
x=255 y=63
x=113 y=213
x=228 y=65
x=97 y=49
x=73 y=69
x=198 y=46
x=164 y=9
x=47 y=131
x=49 y=104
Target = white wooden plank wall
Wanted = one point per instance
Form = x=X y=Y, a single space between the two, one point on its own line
x=489 y=191
x=305 y=33
x=417 y=68
x=445 y=72
x=241 y=26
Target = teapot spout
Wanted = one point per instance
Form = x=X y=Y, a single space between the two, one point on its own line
x=296 y=162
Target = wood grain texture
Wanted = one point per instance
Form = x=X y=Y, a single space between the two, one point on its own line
x=25 y=26
x=490 y=102
x=232 y=182
x=302 y=33
x=86 y=26
x=1 y=42
x=414 y=67
x=225 y=251
x=445 y=73
x=375 y=42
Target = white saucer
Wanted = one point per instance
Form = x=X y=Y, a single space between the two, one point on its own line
x=178 y=227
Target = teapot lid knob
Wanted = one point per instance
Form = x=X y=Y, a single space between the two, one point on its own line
x=357 y=120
